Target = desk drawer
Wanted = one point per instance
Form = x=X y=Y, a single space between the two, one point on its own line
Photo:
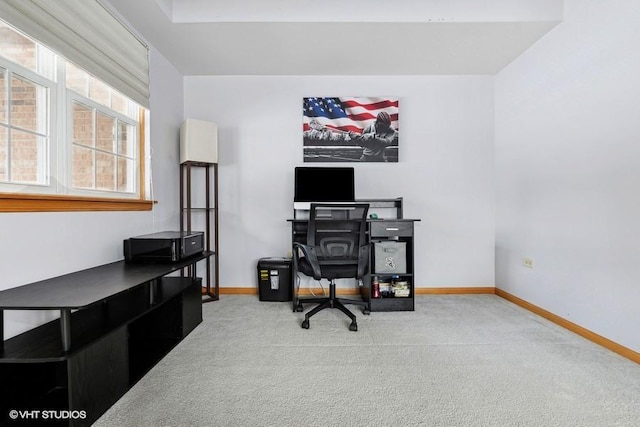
x=392 y=228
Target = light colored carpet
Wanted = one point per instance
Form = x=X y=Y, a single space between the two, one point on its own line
x=458 y=360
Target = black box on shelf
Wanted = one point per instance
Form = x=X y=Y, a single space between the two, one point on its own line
x=164 y=246
x=274 y=279
x=390 y=257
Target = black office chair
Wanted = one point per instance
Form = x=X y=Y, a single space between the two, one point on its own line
x=336 y=248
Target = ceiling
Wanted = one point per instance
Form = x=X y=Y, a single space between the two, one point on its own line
x=334 y=37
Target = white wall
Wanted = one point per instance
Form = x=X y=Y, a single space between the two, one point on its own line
x=445 y=173
x=37 y=246
x=567 y=170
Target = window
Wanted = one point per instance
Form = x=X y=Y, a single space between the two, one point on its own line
x=103 y=135
x=24 y=129
x=65 y=135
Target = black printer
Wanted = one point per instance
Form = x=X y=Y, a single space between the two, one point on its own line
x=164 y=246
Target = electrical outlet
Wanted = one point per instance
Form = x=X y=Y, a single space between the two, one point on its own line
x=527 y=262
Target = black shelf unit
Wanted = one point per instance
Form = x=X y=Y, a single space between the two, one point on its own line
x=391 y=230
x=123 y=319
x=211 y=285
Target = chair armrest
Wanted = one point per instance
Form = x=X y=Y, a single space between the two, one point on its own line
x=363 y=260
x=310 y=253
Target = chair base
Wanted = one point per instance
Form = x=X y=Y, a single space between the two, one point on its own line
x=332 y=302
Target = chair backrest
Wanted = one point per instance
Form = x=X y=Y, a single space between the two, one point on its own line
x=337 y=231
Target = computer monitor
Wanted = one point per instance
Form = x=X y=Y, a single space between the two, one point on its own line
x=324 y=184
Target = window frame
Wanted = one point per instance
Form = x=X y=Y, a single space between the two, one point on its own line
x=23 y=202
x=48 y=197
x=51 y=124
x=74 y=97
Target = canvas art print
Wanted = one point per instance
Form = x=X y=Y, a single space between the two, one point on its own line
x=356 y=129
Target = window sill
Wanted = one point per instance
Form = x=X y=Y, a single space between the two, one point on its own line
x=49 y=203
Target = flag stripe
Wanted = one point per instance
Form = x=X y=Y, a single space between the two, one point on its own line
x=340 y=124
x=369 y=116
x=348 y=102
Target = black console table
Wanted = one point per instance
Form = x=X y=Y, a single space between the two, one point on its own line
x=116 y=322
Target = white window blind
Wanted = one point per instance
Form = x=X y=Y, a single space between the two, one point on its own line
x=89 y=35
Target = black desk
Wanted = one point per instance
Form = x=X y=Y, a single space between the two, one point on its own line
x=116 y=322
x=395 y=229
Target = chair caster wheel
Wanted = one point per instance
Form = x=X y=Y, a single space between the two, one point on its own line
x=353 y=327
x=299 y=308
x=305 y=324
x=366 y=311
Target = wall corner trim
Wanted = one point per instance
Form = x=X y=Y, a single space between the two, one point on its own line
x=583 y=332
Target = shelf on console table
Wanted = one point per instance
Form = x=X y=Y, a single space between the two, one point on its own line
x=117 y=320
x=84 y=288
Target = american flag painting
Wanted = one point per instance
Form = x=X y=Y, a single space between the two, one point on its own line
x=351 y=129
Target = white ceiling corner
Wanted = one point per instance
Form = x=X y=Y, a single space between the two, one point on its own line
x=333 y=37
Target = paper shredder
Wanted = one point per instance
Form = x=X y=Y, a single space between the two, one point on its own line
x=274 y=279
